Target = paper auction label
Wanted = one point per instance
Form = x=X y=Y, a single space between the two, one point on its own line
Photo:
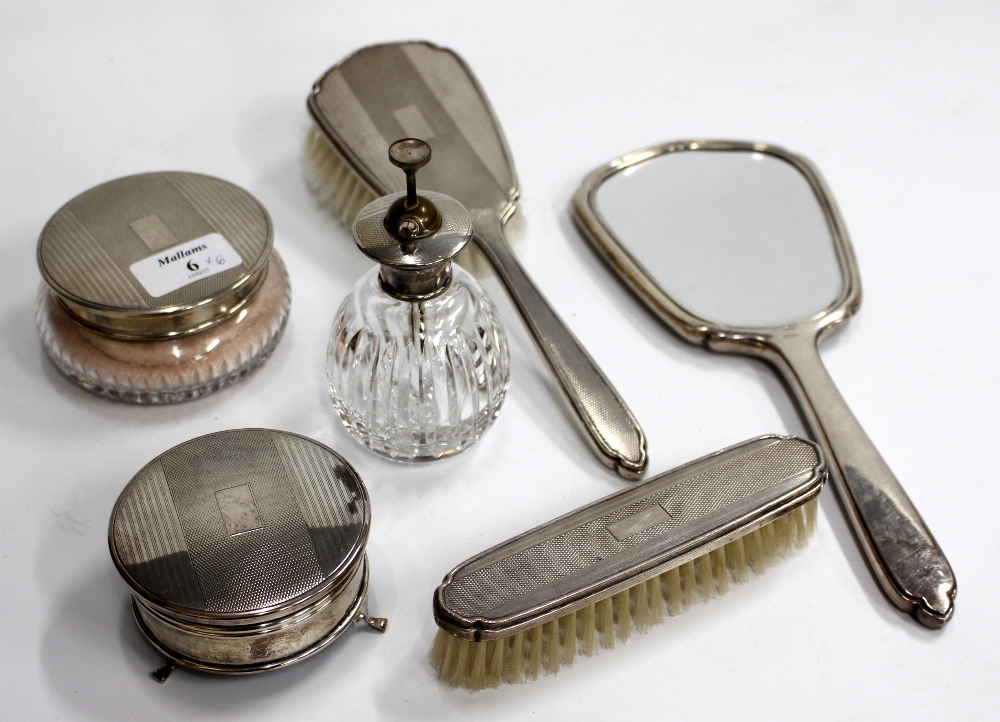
x=180 y=265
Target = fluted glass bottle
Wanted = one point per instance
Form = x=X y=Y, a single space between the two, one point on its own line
x=417 y=362
x=418 y=380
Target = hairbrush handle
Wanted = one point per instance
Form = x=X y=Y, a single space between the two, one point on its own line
x=608 y=423
x=900 y=549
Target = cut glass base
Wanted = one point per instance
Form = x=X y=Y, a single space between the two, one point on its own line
x=421 y=380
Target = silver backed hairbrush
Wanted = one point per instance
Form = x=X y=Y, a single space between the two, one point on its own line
x=577 y=582
x=385 y=92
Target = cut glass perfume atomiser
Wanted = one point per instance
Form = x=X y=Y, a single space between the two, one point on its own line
x=417 y=363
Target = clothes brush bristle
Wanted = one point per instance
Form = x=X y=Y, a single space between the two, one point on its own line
x=557 y=642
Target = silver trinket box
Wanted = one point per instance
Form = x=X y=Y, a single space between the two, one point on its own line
x=244 y=550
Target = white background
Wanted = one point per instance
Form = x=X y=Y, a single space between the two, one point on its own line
x=898 y=106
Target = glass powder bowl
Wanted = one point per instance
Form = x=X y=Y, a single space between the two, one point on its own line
x=417 y=362
x=160 y=287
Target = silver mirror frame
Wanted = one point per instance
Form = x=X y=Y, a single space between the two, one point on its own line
x=719 y=337
x=900 y=550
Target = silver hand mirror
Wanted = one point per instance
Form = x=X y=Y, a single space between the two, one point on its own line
x=739 y=247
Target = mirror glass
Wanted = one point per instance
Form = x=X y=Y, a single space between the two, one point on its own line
x=736 y=237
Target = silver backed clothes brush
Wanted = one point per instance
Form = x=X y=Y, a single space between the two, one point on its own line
x=580 y=581
x=385 y=92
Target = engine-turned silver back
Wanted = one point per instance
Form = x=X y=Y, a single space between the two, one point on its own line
x=240 y=523
x=618 y=541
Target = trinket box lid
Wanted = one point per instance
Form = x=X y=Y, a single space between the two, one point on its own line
x=157 y=254
x=240 y=525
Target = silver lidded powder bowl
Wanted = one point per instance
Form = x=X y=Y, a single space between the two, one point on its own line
x=244 y=550
x=160 y=287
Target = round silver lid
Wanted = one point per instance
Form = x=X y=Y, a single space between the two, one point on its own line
x=156 y=254
x=239 y=525
x=376 y=242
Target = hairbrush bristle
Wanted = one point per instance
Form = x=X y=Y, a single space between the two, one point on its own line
x=556 y=642
x=341 y=192
x=333 y=181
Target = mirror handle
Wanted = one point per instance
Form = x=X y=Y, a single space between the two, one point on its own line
x=900 y=549
x=609 y=425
